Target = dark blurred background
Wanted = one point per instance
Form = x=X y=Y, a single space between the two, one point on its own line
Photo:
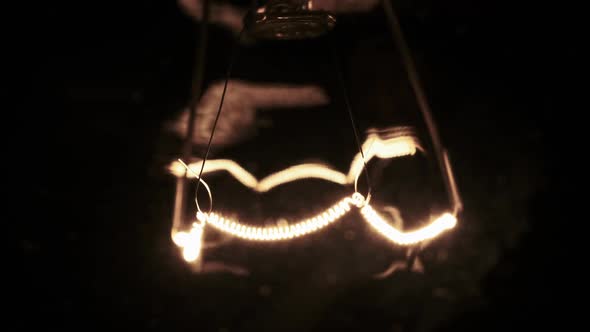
x=106 y=78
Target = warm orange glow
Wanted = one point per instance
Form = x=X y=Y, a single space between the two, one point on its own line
x=374 y=146
x=191 y=242
x=279 y=232
x=445 y=222
x=211 y=166
x=299 y=172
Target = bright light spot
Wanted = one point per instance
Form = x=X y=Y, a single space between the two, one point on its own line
x=441 y=224
x=180 y=238
x=191 y=242
x=191 y=253
x=283 y=231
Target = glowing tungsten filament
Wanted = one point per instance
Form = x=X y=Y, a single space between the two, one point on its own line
x=281 y=232
x=374 y=146
x=286 y=232
x=192 y=241
x=445 y=222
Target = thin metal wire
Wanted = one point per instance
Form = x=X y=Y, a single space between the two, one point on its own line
x=439 y=150
x=227 y=77
x=352 y=122
x=196 y=91
x=198 y=78
x=414 y=79
x=204 y=184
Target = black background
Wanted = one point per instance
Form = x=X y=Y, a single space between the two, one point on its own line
x=105 y=78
